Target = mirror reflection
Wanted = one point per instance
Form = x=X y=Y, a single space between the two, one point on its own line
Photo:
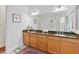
x=52 y=17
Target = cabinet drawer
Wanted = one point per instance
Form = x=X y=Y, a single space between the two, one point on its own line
x=70 y=40
x=26 y=33
x=55 y=38
x=33 y=35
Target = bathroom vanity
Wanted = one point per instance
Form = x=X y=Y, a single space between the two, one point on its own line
x=60 y=27
x=52 y=43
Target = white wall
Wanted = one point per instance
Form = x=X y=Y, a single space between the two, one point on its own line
x=2 y=25
x=14 y=30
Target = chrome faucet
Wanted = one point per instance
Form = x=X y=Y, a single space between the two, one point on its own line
x=60 y=32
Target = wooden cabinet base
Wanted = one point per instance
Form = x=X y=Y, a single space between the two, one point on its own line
x=52 y=44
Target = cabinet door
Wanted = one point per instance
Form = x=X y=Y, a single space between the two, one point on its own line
x=68 y=48
x=33 y=40
x=26 y=38
x=42 y=42
x=53 y=44
x=77 y=48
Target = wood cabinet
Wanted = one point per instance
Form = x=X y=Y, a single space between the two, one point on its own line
x=33 y=40
x=42 y=42
x=77 y=48
x=53 y=44
x=26 y=38
x=77 y=45
x=68 y=46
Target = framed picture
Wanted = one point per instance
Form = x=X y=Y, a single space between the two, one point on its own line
x=16 y=18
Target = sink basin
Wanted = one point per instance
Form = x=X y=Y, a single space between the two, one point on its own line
x=65 y=35
x=60 y=35
x=32 y=32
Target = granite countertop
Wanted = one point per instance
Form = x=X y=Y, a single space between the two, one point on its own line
x=53 y=33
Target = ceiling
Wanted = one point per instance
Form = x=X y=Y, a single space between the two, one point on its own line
x=46 y=8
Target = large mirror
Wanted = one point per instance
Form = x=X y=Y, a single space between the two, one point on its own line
x=77 y=19
x=54 y=21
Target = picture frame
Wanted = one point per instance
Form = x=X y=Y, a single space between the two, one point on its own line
x=16 y=18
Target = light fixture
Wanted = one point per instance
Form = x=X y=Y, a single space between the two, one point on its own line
x=59 y=8
x=35 y=12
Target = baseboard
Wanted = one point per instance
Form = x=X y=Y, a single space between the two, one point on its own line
x=2 y=49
